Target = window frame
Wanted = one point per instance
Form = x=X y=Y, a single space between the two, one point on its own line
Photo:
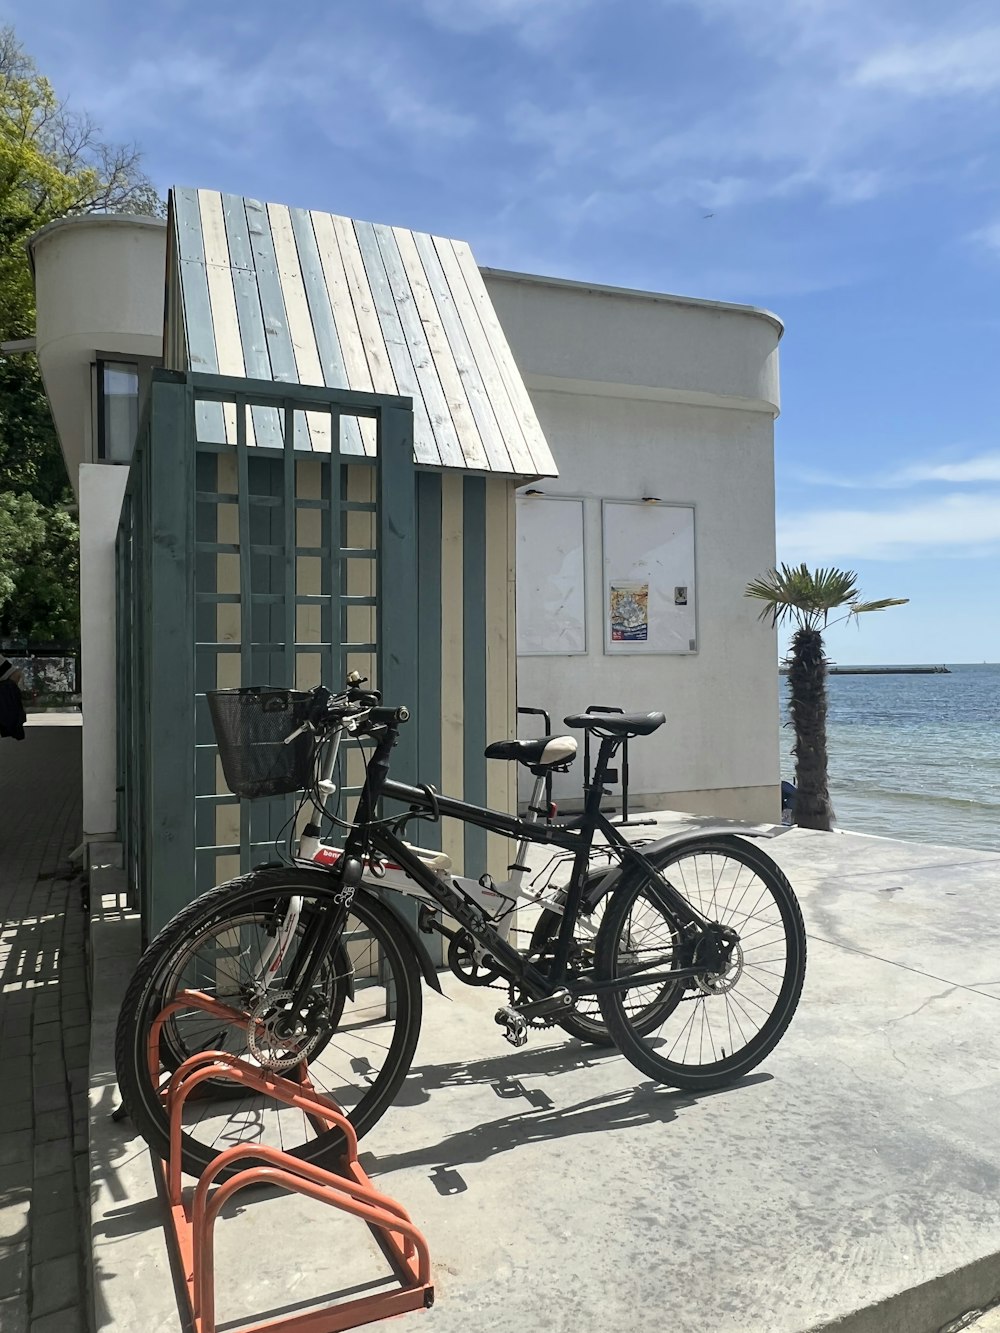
x=143 y=367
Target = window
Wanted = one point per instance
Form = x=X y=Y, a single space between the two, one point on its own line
x=117 y=410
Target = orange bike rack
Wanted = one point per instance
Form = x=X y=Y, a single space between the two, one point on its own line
x=193 y=1215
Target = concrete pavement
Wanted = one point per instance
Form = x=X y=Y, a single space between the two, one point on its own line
x=851 y=1183
x=44 y=1034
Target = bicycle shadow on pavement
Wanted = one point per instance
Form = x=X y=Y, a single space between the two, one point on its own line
x=423 y=1080
x=628 y=1108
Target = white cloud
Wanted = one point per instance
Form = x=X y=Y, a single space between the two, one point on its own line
x=943 y=65
x=824 y=106
x=356 y=88
x=801 y=102
x=581 y=131
x=985 y=467
x=988 y=237
x=955 y=525
x=979 y=468
x=538 y=24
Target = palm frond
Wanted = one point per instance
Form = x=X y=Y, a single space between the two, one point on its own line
x=798 y=593
x=859 y=608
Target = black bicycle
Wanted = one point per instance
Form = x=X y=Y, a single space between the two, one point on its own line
x=688 y=952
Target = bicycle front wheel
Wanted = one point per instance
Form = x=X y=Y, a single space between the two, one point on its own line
x=721 y=1023
x=357 y=1032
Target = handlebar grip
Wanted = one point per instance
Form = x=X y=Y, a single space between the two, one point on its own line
x=389 y=716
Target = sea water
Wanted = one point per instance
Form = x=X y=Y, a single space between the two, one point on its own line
x=913 y=756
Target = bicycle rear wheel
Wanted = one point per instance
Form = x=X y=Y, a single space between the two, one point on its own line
x=358 y=1036
x=722 y=1023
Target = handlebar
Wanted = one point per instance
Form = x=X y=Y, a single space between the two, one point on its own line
x=328 y=710
x=389 y=717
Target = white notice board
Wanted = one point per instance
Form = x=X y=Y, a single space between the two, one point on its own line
x=649 y=578
x=551 y=600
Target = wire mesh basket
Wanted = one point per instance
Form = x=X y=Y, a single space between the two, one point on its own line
x=251 y=728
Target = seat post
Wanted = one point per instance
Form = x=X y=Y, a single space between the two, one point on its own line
x=518 y=868
x=538 y=790
x=609 y=746
x=581 y=861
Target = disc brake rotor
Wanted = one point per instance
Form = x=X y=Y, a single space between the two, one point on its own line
x=717 y=983
x=280 y=1050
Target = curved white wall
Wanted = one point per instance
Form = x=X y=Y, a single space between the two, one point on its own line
x=638 y=394
x=99 y=283
x=570 y=335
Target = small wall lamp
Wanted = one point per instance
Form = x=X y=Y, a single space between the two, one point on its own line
x=650 y=499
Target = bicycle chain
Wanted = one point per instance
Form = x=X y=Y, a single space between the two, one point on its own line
x=538 y=1024
x=695 y=993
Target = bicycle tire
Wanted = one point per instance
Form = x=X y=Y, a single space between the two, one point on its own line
x=644 y=1050
x=586 y=1022
x=216 y=915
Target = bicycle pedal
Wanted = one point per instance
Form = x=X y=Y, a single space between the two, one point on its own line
x=514 y=1025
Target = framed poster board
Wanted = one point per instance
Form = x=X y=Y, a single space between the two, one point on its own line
x=551 y=591
x=649 y=578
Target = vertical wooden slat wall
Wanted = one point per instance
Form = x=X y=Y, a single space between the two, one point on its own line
x=458 y=676
x=477 y=691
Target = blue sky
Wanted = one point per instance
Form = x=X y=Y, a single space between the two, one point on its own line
x=848 y=152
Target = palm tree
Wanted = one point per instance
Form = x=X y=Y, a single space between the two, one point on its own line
x=807 y=597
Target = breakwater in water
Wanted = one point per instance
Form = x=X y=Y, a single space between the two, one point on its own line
x=835 y=670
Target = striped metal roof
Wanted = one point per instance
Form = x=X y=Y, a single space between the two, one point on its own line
x=288 y=294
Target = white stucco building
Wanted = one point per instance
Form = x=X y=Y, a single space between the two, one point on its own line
x=660 y=401
x=672 y=399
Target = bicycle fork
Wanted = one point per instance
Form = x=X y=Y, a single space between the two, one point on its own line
x=273 y=955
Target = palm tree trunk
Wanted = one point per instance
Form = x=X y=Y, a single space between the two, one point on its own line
x=807 y=688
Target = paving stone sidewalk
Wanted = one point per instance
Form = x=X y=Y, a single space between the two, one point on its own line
x=44 y=1034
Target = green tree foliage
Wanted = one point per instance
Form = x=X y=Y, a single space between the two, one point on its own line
x=39 y=571
x=53 y=163
x=805 y=598
x=30 y=458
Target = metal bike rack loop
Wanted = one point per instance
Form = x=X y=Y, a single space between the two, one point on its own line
x=194 y=1213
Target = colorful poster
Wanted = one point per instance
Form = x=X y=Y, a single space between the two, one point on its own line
x=629 y=612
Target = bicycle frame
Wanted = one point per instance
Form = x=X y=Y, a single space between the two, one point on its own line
x=466 y=905
x=577 y=837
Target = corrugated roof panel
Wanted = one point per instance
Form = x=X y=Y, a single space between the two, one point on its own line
x=294 y=296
